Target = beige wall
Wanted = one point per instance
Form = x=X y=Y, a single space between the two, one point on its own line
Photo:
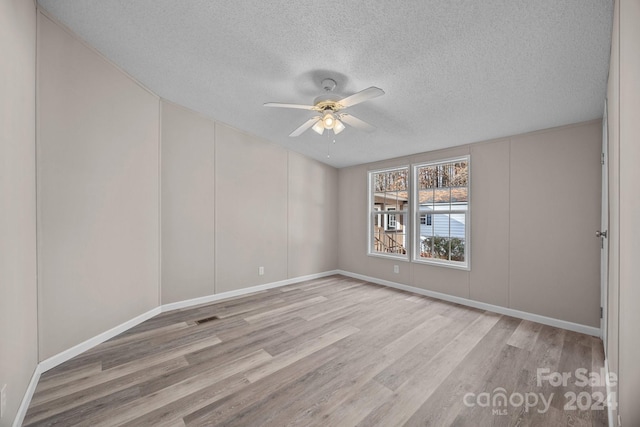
x=312 y=216
x=554 y=205
x=188 y=239
x=229 y=203
x=18 y=297
x=624 y=153
x=232 y=203
x=530 y=196
x=98 y=185
x=251 y=210
x=629 y=211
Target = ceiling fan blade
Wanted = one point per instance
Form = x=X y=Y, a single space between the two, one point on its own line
x=363 y=95
x=306 y=125
x=356 y=123
x=281 y=105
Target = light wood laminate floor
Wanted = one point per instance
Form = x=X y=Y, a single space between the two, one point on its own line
x=329 y=352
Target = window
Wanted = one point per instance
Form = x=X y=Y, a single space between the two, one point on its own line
x=436 y=196
x=442 y=199
x=388 y=212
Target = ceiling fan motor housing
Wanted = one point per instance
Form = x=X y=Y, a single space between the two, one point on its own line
x=325 y=102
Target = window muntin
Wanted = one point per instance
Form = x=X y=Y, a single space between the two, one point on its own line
x=389 y=212
x=442 y=212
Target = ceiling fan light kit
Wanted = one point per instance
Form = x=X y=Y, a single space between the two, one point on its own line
x=331 y=117
x=318 y=127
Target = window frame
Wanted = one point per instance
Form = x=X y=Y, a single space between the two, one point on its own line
x=372 y=212
x=415 y=211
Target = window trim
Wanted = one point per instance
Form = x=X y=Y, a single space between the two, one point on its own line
x=371 y=212
x=415 y=213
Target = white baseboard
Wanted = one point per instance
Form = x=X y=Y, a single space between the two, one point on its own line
x=74 y=351
x=244 y=291
x=563 y=324
x=610 y=397
x=26 y=399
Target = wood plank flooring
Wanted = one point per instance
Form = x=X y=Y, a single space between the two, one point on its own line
x=329 y=352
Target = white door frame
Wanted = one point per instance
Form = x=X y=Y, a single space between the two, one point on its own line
x=604 y=227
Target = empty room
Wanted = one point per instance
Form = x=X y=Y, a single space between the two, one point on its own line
x=358 y=213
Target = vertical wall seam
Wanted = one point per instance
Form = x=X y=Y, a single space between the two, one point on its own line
x=215 y=181
x=288 y=207
x=509 y=227
x=469 y=220
x=35 y=160
x=159 y=201
x=618 y=125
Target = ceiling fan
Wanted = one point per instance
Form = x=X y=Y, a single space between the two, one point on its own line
x=330 y=110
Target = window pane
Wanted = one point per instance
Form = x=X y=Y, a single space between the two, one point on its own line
x=390 y=237
x=426 y=177
x=442 y=197
x=441 y=247
x=391 y=201
x=377 y=220
x=459 y=195
x=390 y=180
x=457 y=226
x=403 y=200
x=377 y=200
x=426 y=247
x=457 y=249
x=440 y=224
x=460 y=174
x=425 y=200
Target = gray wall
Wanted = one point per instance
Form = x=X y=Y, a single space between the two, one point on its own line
x=18 y=302
x=98 y=185
x=547 y=180
x=232 y=203
x=623 y=92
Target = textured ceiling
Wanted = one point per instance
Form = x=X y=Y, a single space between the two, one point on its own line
x=454 y=72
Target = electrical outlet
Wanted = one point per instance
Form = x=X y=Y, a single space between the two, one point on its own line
x=396 y=269
x=3 y=401
x=261 y=271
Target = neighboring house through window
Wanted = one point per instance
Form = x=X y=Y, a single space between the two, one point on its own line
x=442 y=206
x=425 y=219
x=439 y=204
x=388 y=212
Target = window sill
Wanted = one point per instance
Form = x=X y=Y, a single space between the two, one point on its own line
x=400 y=257
x=456 y=266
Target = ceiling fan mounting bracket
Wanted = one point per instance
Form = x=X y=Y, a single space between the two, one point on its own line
x=328 y=84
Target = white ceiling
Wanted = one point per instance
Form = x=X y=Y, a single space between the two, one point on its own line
x=454 y=72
